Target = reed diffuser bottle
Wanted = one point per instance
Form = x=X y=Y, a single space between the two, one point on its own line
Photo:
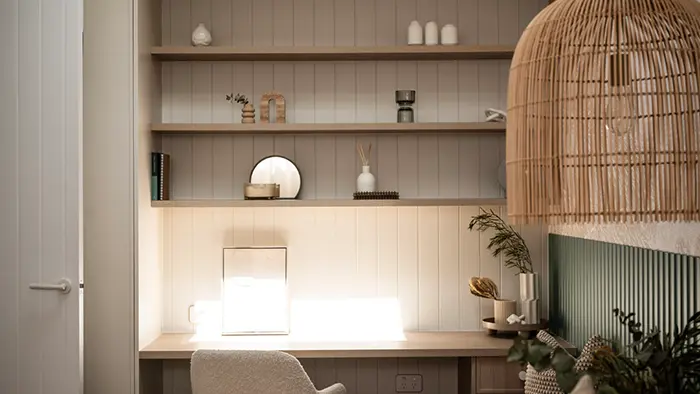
x=366 y=181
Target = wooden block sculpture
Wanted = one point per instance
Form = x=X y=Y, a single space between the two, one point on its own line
x=280 y=115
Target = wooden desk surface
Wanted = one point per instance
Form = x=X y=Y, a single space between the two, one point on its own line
x=416 y=344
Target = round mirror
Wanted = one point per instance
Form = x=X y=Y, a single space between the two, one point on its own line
x=279 y=170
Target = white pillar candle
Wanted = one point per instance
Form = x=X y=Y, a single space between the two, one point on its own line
x=415 y=33
x=431 y=33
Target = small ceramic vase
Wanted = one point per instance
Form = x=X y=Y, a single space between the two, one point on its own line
x=448 y=35
x=415 y=33
x=248 y=114
x=366 y=181
x=431 y=33
x=201 y=36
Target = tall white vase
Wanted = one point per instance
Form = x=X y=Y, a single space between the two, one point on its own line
x=530 y=297
x=366 y=181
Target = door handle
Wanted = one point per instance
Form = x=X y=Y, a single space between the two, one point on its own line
x=63 y=285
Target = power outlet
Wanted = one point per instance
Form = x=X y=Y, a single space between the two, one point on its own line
x=409 y=383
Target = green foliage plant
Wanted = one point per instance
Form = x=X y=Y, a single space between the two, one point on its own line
x=505 y=241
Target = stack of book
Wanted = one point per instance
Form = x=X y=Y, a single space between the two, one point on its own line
x=160 y=176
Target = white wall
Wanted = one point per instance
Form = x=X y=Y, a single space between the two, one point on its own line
x=150 y=259
x=681 y=238
x=109 y=198
x=421 y=256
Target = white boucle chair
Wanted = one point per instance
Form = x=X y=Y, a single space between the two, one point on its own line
x=251 y=372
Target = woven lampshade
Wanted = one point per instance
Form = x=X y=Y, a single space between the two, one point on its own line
x=604 y=113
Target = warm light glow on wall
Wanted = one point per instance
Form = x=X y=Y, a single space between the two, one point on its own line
x=343 y=319
x=350 y=319
x=255 y=305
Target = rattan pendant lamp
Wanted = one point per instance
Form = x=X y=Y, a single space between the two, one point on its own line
x=604 y=113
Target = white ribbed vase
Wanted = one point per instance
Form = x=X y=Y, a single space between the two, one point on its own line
x=530 y=297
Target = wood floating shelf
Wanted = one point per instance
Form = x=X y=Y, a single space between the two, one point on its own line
x=437 y=52
x=328 y=128
x=421 y=202
x=413 y=344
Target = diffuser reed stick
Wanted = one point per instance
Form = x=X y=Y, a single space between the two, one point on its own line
x=361 y=152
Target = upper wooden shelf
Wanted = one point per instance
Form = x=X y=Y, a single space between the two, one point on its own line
x=316 y=128
x=420 y=202
x=415 y=344
x=437 y=52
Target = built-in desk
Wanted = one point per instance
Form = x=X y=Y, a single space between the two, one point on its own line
x=482 y=367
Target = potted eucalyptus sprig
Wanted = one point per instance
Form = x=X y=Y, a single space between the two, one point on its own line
x=506 y=241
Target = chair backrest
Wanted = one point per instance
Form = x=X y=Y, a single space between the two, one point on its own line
x=248 y=372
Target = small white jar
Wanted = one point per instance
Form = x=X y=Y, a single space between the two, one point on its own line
x=448 y=35
x=431 y=33
x=415 y=33
x=201 y=36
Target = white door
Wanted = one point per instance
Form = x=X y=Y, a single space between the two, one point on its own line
x=40 y=196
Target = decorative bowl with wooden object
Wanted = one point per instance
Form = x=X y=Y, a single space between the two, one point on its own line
x=507 y=329
x=261 y=191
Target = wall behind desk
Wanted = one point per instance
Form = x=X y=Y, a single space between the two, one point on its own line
x=422 y=256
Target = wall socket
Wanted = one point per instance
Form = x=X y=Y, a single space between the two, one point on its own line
x=409 y=383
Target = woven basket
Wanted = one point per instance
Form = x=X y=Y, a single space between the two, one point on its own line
x=545 y=382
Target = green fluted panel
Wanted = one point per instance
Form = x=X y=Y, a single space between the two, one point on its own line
x=588 y=279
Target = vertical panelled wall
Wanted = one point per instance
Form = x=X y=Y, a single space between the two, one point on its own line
x=447 y=166
x=422 y=256
x=588 y=279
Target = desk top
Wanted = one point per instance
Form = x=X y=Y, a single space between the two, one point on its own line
x=415 y=344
